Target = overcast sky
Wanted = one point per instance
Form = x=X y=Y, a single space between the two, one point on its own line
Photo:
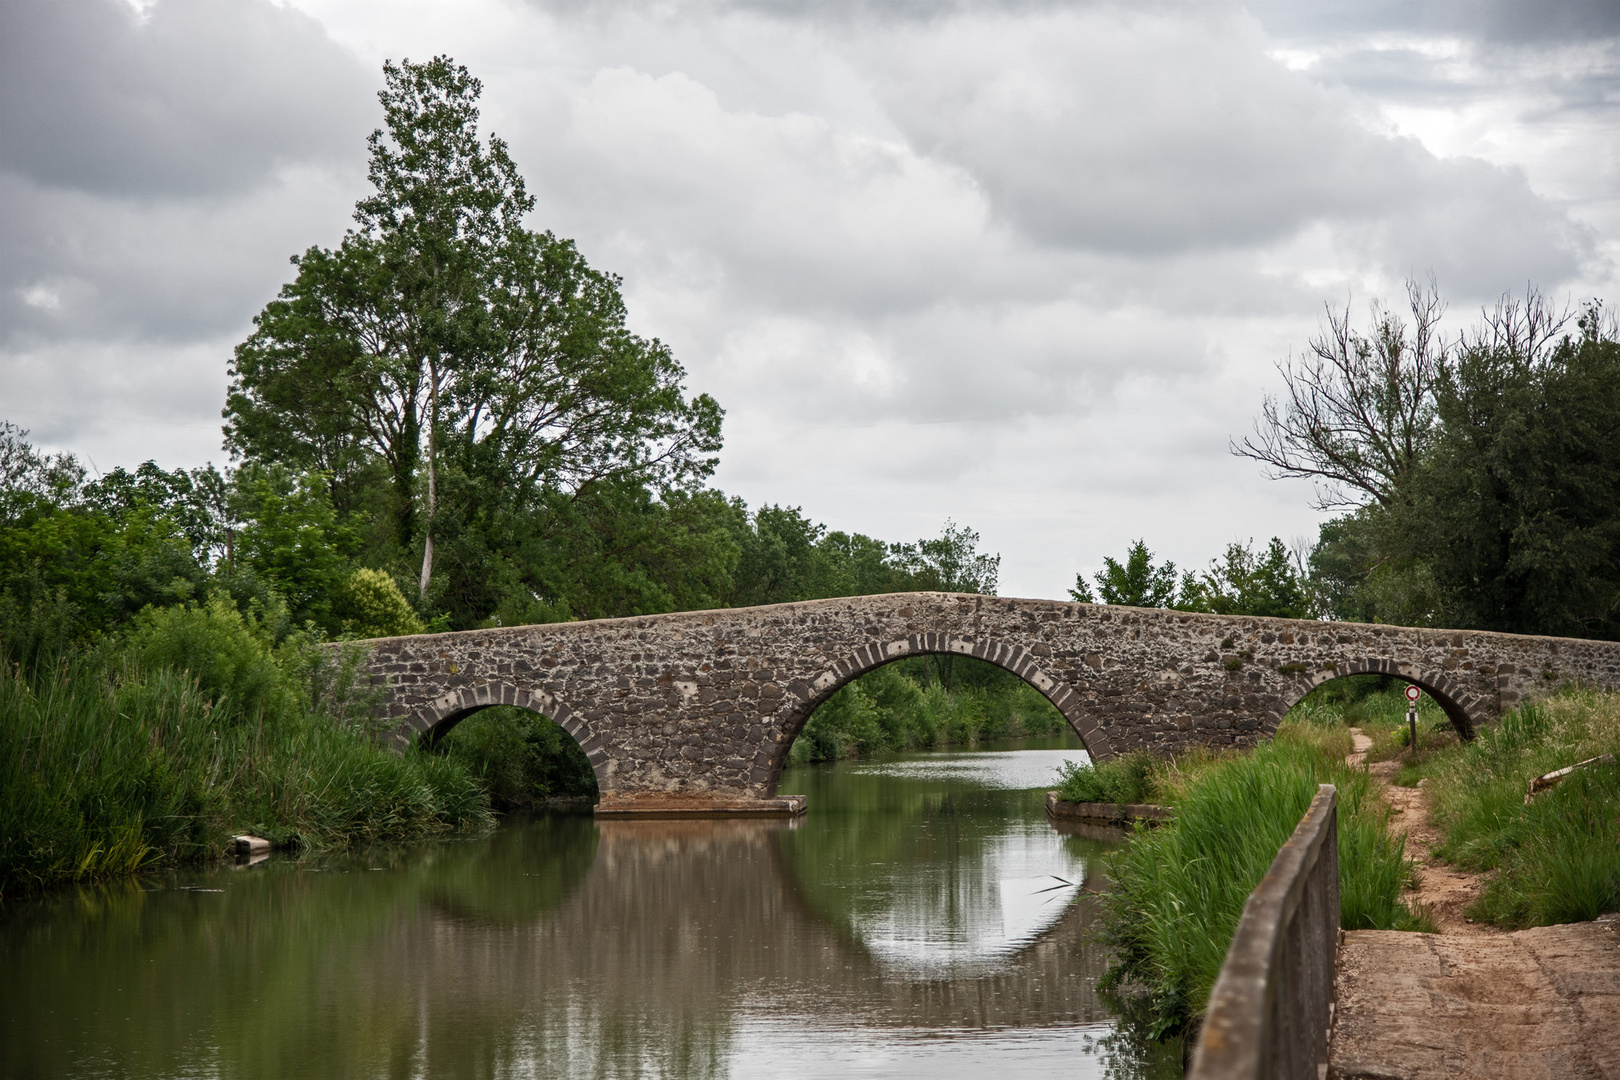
x=1024 y=265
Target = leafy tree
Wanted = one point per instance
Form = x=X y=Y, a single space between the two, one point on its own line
x=1135 y=583
x=1358 y=574
x=29 y=478
x=1517 y=513
x=951 y=562
x=195 y=502
x=781 y=558
x=861 y=566
x=1487 y=468
x=1247 y=582
x=290 y=537
x=75 y=561
x=475 y=365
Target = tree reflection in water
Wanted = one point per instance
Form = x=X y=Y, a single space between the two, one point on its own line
x=908 y=926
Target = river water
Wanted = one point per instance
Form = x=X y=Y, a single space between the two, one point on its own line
x=923 y=920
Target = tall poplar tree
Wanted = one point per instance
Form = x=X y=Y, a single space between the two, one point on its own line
x=443 y=331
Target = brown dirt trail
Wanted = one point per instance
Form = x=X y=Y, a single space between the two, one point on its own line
x=1471 y=1000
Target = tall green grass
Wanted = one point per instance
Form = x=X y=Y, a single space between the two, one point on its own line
x=155 y=748
x=1557 y=859
x=1179 y=889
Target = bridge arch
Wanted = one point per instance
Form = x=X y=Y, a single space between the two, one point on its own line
x=1462 y=706
x=1016 y=659
x=433 y=720
x=692 y=712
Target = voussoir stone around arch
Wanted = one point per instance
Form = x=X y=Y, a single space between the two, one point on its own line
x=694 y=712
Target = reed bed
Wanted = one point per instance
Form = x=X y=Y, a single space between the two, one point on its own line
x=155 y=749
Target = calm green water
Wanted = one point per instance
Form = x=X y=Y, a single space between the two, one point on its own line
x=923 y=920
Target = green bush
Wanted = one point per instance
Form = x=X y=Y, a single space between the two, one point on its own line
x=1128 y=779
x=370 y=605
x=229 y=657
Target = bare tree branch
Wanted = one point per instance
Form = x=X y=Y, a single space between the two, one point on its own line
x=1358 y=410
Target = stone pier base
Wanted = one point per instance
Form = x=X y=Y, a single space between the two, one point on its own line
x=668 y=806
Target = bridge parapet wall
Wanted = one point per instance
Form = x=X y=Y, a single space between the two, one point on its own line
x=699 y=708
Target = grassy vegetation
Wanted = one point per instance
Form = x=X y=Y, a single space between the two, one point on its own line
x=1129 y=779
x=1552 y=861
x=1179 y=889
x=153 y=748
x=908 y=705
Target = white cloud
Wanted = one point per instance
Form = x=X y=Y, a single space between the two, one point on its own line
x=1025 y=265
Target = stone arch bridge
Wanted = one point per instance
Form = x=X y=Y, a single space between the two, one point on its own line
x=694 y=712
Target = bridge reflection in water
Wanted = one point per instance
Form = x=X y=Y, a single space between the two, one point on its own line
x=918 y=924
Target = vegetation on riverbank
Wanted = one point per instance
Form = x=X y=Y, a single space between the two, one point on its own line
x=1557 y=858
x=153 y=748
x=1129 y=779
x=524 y=760
x=1179 y=889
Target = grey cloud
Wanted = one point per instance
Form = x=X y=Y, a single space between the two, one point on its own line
x=90 y=268
x=1514 y=22
x=1479 y=228
x=1154 y=136
x=1500 y=22
x=192 y=97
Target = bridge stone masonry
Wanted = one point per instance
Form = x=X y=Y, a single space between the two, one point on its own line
x=694 y=712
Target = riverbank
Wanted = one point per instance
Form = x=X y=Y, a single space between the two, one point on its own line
x=153 y=749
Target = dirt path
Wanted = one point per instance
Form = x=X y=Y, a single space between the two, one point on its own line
x=1442 y=891
x=1470 y=1001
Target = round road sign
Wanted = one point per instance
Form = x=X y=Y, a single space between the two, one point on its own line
x=1413 y=693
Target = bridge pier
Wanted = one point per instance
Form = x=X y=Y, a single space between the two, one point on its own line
x=621 y=805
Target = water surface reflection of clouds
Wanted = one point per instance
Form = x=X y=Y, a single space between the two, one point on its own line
x=766 y=1045
x=967 y=899
x=973 y=916
x=1006 y=770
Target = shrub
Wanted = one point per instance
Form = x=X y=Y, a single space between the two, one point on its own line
x=1124 y=780
x=370 y=605
x=228 y=656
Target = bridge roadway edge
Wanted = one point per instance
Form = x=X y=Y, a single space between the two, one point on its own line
x=694 y=712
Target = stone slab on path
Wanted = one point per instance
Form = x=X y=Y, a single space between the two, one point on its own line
x=1541 y=1004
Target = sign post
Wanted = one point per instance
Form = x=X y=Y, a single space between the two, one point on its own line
x=1412 y=695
